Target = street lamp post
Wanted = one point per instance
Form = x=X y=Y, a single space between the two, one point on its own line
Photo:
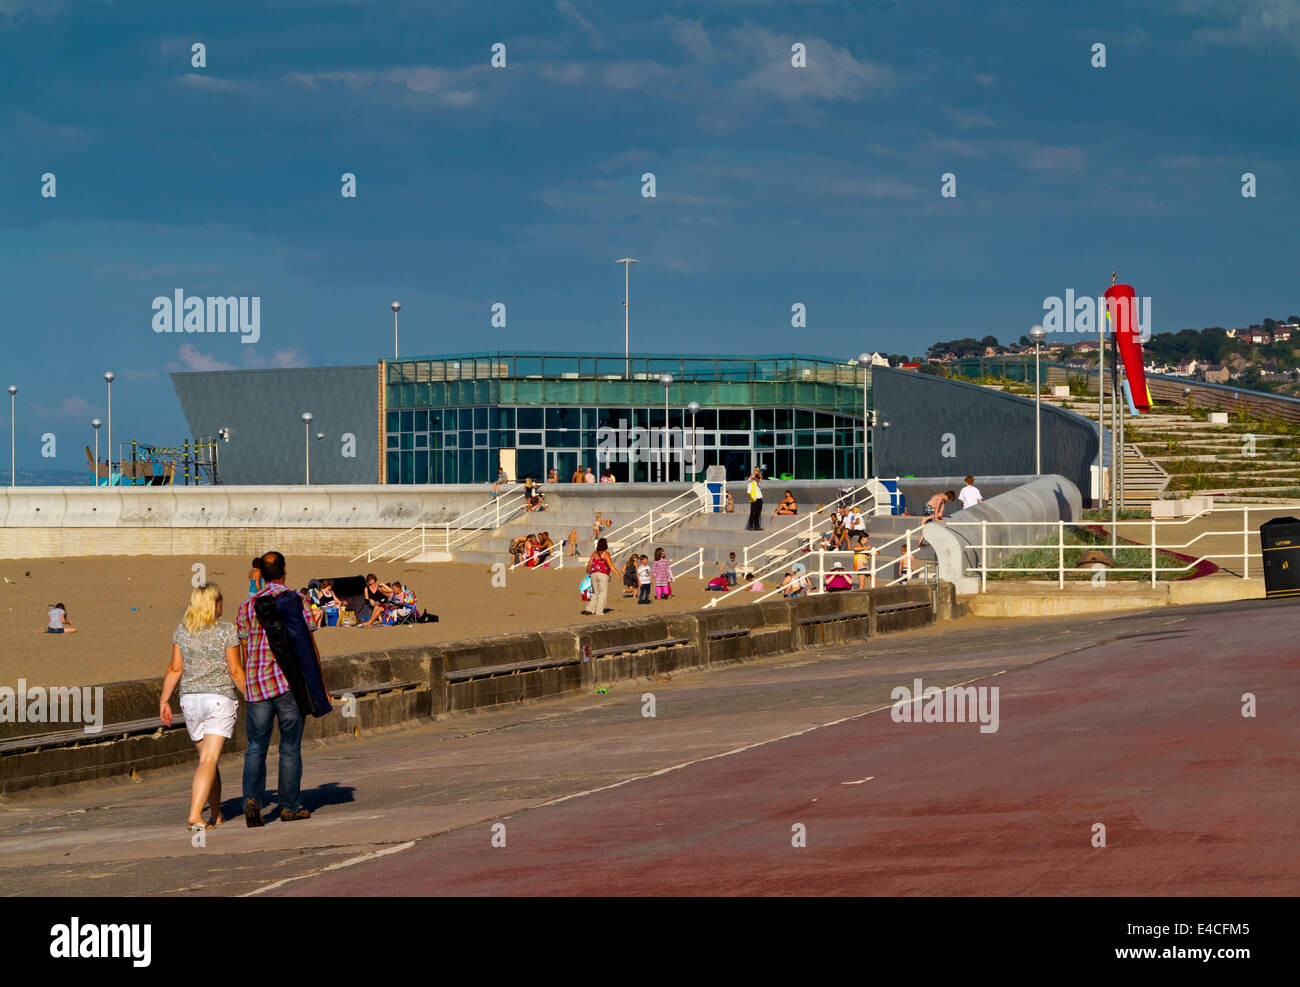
x=396 y=307
x=667 y=381
x=13 y=424
x=95 y=423
x=693 y=408
x=306 y=441
x=864 y=361
x=627 y=263
x=109 y=377
x=1037 y=334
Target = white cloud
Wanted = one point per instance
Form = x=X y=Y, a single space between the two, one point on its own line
x=831 y=73
x=571 y=12
x=691 y=37
x=193 y=359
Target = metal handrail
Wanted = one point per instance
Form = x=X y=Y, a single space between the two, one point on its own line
x=669 y=518
x=1153 y=546
x=470 y=524
x=786 y=533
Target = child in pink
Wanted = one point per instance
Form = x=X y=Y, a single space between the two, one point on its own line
x=662 y=576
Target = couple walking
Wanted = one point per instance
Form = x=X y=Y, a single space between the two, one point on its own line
x=268 y=658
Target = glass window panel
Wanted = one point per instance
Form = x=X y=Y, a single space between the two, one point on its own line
x=803 y=419
x=408 y=440
x=449 y=440
x=566 y=439
x=408 y=468
x=421 y=421
x=480 y=417
x=450 y=473
x=408 y=421
x=764 y=419
x=804 y=466
x=503 y=438
x=589 y=417
x=392 y=472
x=826 y=436
x=733 y=419
x=480 y=439
x=505 y=418
x=764 y=440
x=734 y=439
x=825 y=464
x=394 y=421
x=466 y=465
x=481 y=466
x=421 y=467
x=785 y=438
x=421 y=440
x=562 y=418
x=707 y=418
x=530 y=418
x=824 y=420
x=530 y=438
x=804 y=438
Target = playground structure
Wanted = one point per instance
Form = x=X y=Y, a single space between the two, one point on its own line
x=192 y=463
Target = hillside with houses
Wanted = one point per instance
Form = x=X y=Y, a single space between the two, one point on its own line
x=1263 y=356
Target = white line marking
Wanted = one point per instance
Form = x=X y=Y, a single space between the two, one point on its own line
x=627 y=781
x=859 y=781
x=336 y=866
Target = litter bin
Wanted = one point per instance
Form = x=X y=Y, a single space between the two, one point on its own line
x=1280 y=541
x=715 y=495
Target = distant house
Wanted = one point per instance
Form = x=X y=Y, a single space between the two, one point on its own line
x=1186 y=367
x=1216 y=373
x=1087 y=346
x=1259 y=337
x=909 y=366
x=1282 y=334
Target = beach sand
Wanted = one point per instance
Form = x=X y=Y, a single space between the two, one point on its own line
x=115 y=642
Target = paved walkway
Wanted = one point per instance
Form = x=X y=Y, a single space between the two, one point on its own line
x=1131 y=721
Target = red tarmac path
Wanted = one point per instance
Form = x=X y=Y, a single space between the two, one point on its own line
x=1145 y=736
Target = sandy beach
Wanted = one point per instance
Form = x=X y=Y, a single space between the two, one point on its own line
x=126 y=608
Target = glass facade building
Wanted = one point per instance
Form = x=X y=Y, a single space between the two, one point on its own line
x=453 y=419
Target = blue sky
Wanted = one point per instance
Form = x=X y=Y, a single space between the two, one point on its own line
x=521 y=185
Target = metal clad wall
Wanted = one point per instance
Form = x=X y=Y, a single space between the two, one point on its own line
x=263 y=409
x=993 y=432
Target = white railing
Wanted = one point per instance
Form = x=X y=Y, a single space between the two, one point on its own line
x=902 y=559
x=683 y=564
x=789 y=539
x=450 y=535
x=658 y=520
x=1156 y=543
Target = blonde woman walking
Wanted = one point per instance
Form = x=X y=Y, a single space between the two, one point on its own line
x=205 y=661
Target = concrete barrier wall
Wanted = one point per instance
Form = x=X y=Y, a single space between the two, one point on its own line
x=774 y=627
x=1043 y=502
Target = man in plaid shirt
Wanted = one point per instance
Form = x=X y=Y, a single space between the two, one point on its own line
x=269 y=699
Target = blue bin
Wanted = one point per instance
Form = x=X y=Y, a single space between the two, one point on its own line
x=716 y=492
x=897 y=502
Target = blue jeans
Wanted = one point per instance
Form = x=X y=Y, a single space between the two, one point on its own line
x=257 y=722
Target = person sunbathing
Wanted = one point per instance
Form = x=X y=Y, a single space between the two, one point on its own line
x=377 y=594
x=787 y=505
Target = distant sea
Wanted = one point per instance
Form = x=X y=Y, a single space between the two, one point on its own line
x=48 y=478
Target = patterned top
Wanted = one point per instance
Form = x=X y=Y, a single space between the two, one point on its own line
x=262 y=675
x=663 y=575
x=204 y=654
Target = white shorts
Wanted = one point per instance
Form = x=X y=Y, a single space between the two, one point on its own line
x=206 y=713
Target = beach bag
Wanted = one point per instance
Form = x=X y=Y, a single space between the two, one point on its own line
x=585 y=587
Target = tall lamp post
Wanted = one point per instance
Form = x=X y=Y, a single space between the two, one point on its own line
x=306 y=441
x=864 y=361
x=396 y=307
x=693 y=408
x=109 y=377
x=667 y=381
x=1037 y=334
x=13 y=424
x=627 y=263
x=95 y=423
